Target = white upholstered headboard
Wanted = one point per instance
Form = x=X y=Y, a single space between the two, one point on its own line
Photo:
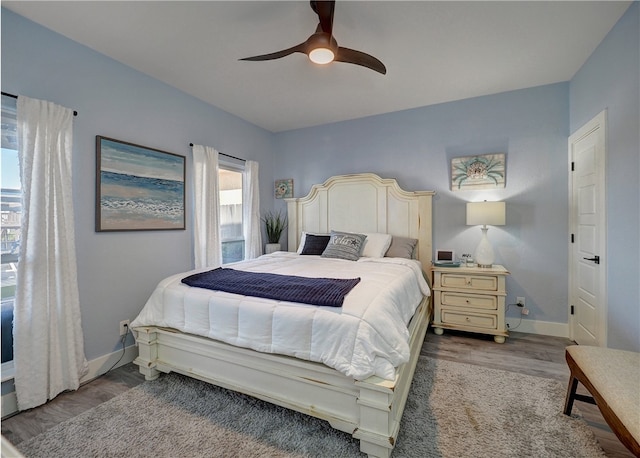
x=363 y=203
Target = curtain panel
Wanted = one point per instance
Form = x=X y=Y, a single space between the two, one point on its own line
x=251 y=211
x=49 y=348
x=207 y=247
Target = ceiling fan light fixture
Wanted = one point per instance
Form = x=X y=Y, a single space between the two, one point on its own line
x=321 y=56
x=322 y=48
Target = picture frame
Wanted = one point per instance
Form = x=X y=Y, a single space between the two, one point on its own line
x=138 y=188
x=483 y=171
x=284 y=188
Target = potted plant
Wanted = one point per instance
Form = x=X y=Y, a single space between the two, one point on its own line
x=275 y=224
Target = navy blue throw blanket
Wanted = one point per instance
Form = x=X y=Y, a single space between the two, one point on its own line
x=315 y=291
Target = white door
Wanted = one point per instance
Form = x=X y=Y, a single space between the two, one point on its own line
x=587 y=257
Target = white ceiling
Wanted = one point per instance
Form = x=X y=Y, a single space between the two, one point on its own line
x=434 y=51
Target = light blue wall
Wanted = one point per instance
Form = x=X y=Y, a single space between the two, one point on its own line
x=117 y=271
x=532 y=127
x=416 y=147
x=610 y=79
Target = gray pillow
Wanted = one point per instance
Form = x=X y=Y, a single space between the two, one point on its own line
x=401 y=247
x=344 y=245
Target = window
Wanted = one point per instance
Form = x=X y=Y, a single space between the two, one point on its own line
x=231 y=233
x=11 y=202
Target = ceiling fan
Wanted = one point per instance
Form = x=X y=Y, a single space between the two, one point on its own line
x=322 y=48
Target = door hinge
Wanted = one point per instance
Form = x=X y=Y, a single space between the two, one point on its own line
x=572 y=310
x=573 y=166
x=573 y=238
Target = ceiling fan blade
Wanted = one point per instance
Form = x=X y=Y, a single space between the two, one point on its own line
x=277 y=54
x=324 y=10
x=351 y=56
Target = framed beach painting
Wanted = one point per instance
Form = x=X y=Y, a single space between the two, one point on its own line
x=138 y=188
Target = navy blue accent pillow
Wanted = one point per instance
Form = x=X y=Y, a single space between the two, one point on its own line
x=315 y=244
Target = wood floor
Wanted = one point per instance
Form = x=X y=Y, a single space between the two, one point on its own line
x=530 y=354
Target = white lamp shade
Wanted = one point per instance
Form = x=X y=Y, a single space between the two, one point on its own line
x=486 y=213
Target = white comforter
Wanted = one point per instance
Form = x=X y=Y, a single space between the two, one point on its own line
x=367 y=336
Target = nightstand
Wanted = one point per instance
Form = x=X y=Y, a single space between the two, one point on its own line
x=470 y=299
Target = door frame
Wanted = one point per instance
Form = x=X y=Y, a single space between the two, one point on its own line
x=599 y=122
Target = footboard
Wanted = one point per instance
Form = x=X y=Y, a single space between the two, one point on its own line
x=370 y=409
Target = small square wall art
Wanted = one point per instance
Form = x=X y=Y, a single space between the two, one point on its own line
x=284 y=188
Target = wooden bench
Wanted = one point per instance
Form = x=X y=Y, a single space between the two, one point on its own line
x=613 y=379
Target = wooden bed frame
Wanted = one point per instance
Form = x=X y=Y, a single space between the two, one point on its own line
x=369 y=409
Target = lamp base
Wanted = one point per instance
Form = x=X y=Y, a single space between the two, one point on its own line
x=484 y=253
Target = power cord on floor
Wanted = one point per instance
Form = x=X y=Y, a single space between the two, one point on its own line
x=519 y=322
x=123 y=339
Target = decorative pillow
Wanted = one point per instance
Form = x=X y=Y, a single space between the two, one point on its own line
x=344 y=245
x=303 y=238
x=376 y=245
x=401 y=247
x=315 y=244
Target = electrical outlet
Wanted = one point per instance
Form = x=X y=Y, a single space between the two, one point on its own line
x=124 y=327
x=520 y=302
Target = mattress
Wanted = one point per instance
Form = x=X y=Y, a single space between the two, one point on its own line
x=367 y=336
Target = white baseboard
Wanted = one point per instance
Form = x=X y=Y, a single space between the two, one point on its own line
x=9 y=404
x=101 y=365
x=97 y=367
x=545 y=328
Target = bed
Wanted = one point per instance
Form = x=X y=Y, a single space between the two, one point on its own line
x=366 y=400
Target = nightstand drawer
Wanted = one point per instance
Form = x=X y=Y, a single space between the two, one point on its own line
x=476 y=301
x=476 y=282
x=489 y=321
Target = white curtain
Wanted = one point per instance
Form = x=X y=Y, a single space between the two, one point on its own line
x=49 y=356
x=251 y=211
x=207 y=247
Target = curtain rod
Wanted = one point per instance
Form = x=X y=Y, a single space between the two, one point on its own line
x=75 y=113
x=228 y=155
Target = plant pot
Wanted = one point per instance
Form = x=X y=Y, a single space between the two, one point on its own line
x=271 y=248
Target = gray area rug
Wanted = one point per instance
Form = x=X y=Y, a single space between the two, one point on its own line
x=453 y=410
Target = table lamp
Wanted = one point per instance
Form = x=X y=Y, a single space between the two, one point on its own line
x=485 y=213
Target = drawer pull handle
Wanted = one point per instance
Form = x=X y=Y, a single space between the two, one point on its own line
x=468 y=319
x=467 y=301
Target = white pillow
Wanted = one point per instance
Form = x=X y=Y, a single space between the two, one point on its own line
x=376 y=244
x=302 y=239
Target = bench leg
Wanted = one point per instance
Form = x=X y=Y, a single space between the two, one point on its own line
x=571 y=394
